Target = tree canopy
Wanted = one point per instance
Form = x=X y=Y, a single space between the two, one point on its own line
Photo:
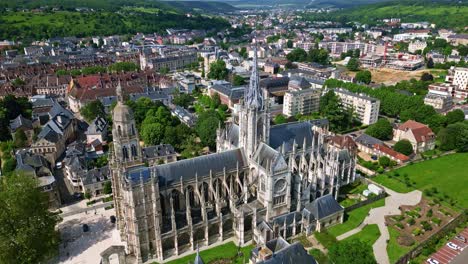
x=364 y=77
x=382 y=129
x=218 y=70
x=207 y=124
x=454 y=137
x=351 y=252
x=91 y=110
x=298 y=55
x=340 y=118
x=403 y=146
x=353 y=64
x=28 y=228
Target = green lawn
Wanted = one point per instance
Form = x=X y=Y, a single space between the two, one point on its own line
x=395 y=250
x=319 y=256
x=325 y=238
x=446 y=173
x=226 y=251
x=354 y=218
x=369 y=234
x=354 y=188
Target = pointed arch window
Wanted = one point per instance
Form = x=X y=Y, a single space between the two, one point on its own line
x=133 y=129
x=119 y=130
x=125 y=152
x=134 y=151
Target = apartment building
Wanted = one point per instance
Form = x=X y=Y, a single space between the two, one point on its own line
x=302 y=102
x=366 y=108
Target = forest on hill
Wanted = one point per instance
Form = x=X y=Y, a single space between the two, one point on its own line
x=444 y=13
x=32 y=20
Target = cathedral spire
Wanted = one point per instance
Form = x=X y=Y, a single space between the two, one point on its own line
x=119 y=92
x=253 y=95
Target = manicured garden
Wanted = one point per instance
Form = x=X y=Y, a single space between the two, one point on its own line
x=442 y=178
x=226 y=252
x=354 y=218
x=353 y=193
x=369 y=234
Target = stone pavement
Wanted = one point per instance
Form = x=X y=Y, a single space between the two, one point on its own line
x=78 y=247
x=377 y=216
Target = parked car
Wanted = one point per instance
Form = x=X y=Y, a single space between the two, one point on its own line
x=453 y=246
x=58 y=165
x=85 y=228
x=461 y=238
x=432 y=261
x=112 y=219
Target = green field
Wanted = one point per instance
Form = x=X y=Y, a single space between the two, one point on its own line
x=369 y=234
x=226 y=251
x=354 y=218
x=319 y=256
x=442 y=13
x=446 y=173
x=395 y=250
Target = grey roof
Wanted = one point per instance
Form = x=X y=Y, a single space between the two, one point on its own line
x=20 y=122
x=97 y=126
x=42 y=102
x=233 y=134
x=289 y=218
x=297 y=131
x=186 y=169
x=323 y=207
x=367 y=140
x=358 y=95
x=299 y=82
x=234 y=93
x=291 y=254
x=158 y=151
x=95 y=175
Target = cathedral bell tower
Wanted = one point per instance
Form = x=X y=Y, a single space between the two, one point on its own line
x=125 y=135
x=254 y=120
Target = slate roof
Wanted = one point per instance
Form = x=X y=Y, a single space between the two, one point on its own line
x=292 y=254
x=234 y=93
x=233 y=134
x=97 y=126
x=20 y=122
x=158 y=151
x=293 y=131
x=95 y=175
x=186 y=169
x=323 y=207
x=367 y=140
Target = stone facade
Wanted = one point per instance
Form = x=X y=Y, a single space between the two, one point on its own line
x=253 y=188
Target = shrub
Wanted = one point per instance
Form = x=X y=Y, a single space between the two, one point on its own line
x=417 y=231
x=411 y=221
x=398 y=218
x=426 y=225
x=429 y=213
x=436 y=220
x=400 y=225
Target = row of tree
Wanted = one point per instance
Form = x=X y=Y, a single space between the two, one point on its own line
x=314 y=55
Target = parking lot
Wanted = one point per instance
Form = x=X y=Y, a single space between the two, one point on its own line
x=446 y=254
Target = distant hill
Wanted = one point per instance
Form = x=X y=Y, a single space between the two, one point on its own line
x=84 y=18
x=444 y=13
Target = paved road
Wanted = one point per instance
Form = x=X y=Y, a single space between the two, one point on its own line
x=377 y=216
x=89 y=209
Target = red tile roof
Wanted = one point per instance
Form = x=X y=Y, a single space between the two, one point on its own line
x=391 y=152
x=420 y=131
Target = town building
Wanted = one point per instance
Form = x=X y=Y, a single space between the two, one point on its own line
x=259 y=176
x=419 y=135
x=280 y=251
x=417 y=45
x=439 y=102
x=301 y=98
x=366 y=108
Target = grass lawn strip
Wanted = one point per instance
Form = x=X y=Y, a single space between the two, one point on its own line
x=319 y=256
x=395 y=250
x=354 y=218
x=446 y=173
x=369 y=234
x=226 y=251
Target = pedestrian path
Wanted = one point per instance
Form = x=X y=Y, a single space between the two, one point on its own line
x=377 y=216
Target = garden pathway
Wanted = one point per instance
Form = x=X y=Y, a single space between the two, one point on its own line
x=377 y=216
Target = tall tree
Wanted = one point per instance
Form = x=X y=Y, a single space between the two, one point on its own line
x=298 y=55
x=318 y=56
x=206 y=127
x=218 y=70
x=404 y=146
x=28 y=232
x=351 y=252
x=353 y=64
x=92 y=109
x=455 y=116
x=382 y=129
x=364 y=77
